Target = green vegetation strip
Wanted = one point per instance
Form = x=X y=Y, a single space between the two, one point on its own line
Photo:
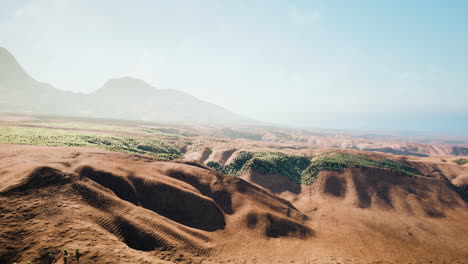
x=301 y=170
x=337 y=161
x=461 y=161
x=56 y=137
x=266 y=162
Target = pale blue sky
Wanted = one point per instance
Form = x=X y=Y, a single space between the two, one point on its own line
x=390 y=65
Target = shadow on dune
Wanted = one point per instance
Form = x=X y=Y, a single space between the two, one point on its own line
x=177 y=204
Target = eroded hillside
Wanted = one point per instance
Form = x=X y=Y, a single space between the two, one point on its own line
x=122 y=208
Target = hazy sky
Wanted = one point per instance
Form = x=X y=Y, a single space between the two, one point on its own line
x=400 y=65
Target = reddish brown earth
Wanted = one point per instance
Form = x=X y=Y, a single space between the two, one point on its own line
x=393 y=145
x=119 y=208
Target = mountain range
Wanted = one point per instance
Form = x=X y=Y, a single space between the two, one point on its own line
x=120 y=98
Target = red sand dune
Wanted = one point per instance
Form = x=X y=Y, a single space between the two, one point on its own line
x=118 y=208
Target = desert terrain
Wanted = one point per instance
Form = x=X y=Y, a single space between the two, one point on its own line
x=140 y=192
x=235 y=132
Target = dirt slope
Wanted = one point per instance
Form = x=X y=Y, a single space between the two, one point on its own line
x=118 y=208
x=111 y=205
x=380 y=213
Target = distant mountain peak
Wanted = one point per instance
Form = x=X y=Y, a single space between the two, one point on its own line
x=122 y=98
x=7 y=59
x=4 y=51
x=126 y=84
x=127 y=79
x=11 y=70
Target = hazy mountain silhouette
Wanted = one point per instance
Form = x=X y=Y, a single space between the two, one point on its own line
x=122 y=98
x=20 y=92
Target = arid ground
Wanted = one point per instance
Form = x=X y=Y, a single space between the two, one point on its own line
x=124 y=192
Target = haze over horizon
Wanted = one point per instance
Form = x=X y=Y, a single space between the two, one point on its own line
x=366 y=65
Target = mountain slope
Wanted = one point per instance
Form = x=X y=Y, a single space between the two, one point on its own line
x=130 y=98
x=12 y=72
x=20 y=92
x=123 y=98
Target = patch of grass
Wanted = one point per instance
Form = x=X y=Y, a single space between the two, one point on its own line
x=337 y=161
x=461 y=161
x=290 y=166
x=55 y=137
x=300 y=170
x=236 y=167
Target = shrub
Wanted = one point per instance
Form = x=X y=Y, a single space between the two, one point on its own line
x=77 y=255
x=461 y=161
x=50 y=258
